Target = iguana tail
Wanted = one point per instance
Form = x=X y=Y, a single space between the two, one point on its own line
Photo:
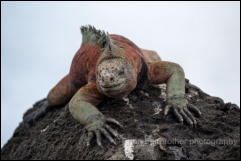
x=93 y=36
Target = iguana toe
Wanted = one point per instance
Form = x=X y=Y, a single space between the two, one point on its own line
x=107 y=135
x=111 y=120
x=98 y=138
x=194 y=109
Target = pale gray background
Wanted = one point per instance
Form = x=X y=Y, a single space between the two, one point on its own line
x=39 y=40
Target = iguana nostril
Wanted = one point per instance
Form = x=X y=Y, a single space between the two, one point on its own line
x=111 y=79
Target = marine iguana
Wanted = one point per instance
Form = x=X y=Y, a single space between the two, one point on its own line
x=109 y=65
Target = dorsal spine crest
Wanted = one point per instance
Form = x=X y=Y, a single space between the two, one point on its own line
x=93 y=36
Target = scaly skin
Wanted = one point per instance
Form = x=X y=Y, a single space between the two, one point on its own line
x=112 y=66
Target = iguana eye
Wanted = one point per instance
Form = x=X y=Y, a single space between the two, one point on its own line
x=122 y=71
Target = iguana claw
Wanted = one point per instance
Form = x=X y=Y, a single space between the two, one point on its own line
x=105 y=130
x=181 y=109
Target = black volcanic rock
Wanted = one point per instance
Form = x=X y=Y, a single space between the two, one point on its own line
x=147 y=134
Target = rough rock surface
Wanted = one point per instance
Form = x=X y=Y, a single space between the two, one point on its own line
x=147 y=134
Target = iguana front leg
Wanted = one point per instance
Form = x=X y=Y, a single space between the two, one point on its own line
x=82 y=108
x=173 y=75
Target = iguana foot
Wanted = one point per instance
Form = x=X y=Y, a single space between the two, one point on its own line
x=181 y=109
x=101 y=127
x=36 y=115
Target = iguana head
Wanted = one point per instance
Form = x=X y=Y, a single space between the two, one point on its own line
x=115 y=75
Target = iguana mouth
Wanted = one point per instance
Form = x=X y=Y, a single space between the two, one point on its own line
x=113 y=86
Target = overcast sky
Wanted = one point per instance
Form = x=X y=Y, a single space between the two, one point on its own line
x=39 y=40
